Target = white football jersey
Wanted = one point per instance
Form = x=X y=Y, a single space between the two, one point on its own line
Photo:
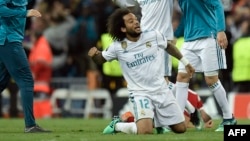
x=141 y=61
x=157 y=14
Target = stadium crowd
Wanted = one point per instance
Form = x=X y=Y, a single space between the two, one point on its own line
x=71 y=27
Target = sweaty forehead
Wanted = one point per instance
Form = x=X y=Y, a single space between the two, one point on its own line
x=129 y=16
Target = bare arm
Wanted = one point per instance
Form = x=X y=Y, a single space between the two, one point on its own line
x=33 y=13
x=172 y=50
x=96 y=55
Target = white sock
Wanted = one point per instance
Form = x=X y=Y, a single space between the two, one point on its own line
x=189 y=107
x=126 y=127
x=220 y=96
x=181 y=94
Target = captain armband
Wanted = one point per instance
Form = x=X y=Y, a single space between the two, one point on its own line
x=184 y=61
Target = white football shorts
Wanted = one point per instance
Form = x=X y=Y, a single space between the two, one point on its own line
x=161 y=107
x=204 y=55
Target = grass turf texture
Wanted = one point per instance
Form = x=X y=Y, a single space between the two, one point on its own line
x=77 y=129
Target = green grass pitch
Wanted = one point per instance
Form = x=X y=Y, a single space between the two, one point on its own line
x=77 y=129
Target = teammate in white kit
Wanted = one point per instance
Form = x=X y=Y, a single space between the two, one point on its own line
x=140 y=57
x=157 y=15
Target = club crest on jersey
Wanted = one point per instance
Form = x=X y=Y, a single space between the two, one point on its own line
x=143 y=112
x=124 y=46
x=148 y=44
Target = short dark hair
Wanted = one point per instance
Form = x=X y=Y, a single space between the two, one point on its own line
x=115 y=22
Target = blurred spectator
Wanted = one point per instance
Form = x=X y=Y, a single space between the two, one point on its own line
x=40 y=59
x=103 y=8
x=83 y=35
x=239 y=13
x=60 y=23
x=241 y=57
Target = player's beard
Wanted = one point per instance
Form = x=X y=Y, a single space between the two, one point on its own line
x=134 y=34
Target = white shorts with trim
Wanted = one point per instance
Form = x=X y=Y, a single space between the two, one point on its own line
x=160 y=106
x=204 y=55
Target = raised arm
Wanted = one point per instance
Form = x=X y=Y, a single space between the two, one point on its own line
x=96 y=55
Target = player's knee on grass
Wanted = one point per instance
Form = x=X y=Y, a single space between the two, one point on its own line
x=178 y=128
x=144 y=126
